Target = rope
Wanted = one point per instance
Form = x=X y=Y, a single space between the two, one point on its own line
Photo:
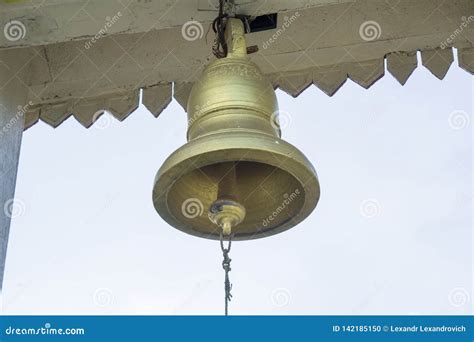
x=226 y=267
x=218 y=25
x=220 y=48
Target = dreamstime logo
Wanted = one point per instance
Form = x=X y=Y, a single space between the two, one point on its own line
x=458 y=120
x=450 y=40
x=192 y=208
x=103 y=297
x=370 y=30
x=14 y=30
x=370 y=208
x=109 y=22
x=280 y=119
x=192 y=30
x=458 y=297
x=287 y=199
x=102 y=120
x=47 y=329
x=22 y=110
x=199 y=110
x=280 y=297
x=14 y=207
x=287 y=21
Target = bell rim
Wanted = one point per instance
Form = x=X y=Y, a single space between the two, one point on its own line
x=230 y=145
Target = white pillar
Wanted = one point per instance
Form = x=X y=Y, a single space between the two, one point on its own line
x=13 y=101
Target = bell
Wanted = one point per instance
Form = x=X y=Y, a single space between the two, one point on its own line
x=235 y=175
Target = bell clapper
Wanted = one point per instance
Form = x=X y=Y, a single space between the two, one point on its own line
x=226 y=212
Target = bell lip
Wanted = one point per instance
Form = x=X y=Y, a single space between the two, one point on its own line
x=178 y=163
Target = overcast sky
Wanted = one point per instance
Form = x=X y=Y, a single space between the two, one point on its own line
x=392 y=233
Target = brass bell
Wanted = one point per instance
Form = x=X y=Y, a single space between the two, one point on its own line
x=235 y=175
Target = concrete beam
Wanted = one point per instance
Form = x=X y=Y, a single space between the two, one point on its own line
x=322 y=45
x=55 y=21
x=13 y=106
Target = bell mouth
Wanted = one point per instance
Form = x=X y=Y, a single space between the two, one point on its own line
x=270 y=195
x=273 y=181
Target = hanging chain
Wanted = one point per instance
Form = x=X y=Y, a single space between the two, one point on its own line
x=226 y=267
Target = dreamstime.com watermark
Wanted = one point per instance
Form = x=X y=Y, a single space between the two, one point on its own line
x=370 y=30
x=192 y=208
x=458 y=120
x=109 y=22
x=280 y=119
x=465 y=23
x=280 y=297
x=192 y=30
x=14 y=30
x=370 y=208
x=102 y=120
x=103 y=297
x=287 y=21
x=284 y=204
x=199 y=110
x=459 y=296
x=47 y=329
x=14 y=208
x=22 y=110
